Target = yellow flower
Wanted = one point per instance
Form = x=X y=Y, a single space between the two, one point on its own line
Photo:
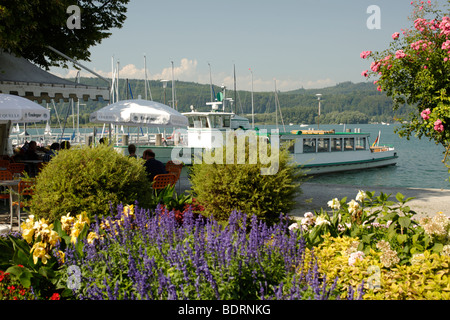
x=82 y=218
x=53 y=238
x=40 y=252
x=128 y=210
x=74 y=235
x=66 y=222
x=61 y=255
x=27 y=234
x=92 y=236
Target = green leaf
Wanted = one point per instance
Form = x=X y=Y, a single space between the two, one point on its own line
x=401 y=238
x=438 y=247
x=404 y=221
x=399 y=197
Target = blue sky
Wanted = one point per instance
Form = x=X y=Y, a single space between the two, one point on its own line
x=300 y=43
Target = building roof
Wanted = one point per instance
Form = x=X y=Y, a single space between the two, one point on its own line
x=20 y=77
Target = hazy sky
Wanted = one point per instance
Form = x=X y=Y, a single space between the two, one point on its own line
x=300 y=43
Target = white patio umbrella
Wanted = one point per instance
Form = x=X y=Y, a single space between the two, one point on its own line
x=15 y=109
x=139 y=113
x=21 y=110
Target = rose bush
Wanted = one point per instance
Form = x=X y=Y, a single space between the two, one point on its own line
x=414 y=69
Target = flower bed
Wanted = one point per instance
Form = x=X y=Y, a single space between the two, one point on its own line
x=145 y=255
x=369 y=247
x=380 y=242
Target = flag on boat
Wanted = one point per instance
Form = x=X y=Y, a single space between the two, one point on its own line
x=377 y=140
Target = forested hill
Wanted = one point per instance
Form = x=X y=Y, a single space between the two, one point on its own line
x=344 y=103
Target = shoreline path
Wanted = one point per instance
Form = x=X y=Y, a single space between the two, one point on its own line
x=316 y=195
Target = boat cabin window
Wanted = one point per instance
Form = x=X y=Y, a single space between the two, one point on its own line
x=336 y=144
x=323 y=145
x=349 y=144
x=309 y=145
x=226 y=121
x=198 y=122
x=216 y=121
x=361 y=143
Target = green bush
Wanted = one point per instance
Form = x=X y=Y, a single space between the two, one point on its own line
x=222 y=188
x=89 y=179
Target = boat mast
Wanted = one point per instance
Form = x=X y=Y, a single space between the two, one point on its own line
x=253 y=111
x=174 y=105
x=210 y=83
x=235 y=93
x=146 y=80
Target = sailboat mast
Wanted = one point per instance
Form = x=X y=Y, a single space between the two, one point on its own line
x=276 y=107
x=147 y=85
x=235 y=93
x=173 y=89
x=145 y=76
x=210 y=83
x=253 y=110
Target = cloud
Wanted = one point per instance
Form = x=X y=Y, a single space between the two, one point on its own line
x=186 y=70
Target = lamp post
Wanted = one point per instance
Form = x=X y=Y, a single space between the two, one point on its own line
x=164 y=82
x=318 y=118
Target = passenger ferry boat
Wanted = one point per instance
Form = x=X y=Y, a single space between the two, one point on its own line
x=317 y=151
x=320 y=151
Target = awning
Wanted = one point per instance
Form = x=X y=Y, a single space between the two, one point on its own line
x=20 y=77
x=139 y=113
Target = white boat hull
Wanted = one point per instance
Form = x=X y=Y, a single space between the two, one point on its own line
x=313 y=169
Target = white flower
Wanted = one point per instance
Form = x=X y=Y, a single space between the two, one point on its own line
x=308 y=221
x=294 y=226
x=309 y=215
x=321 y=220
x=361 y=196
x=334 y=204
x=358 y=255
x=353 y=207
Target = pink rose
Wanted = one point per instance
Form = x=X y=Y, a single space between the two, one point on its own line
x=400 y=54
x=364 y=73
x=438 y=126
x=425 y=114
x=395 y=35
x=365 y=54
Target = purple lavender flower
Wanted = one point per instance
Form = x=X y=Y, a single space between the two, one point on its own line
x=151 y=255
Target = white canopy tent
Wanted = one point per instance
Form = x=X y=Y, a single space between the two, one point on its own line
x=15 y=109
x=139 y=113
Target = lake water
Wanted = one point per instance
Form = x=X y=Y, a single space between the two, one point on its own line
x=419 y=164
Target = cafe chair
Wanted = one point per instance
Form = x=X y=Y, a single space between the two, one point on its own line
x=161 y=181
x=4 y=163
x=175 y=168
x=16 y=167
x=25 y=191
x=5 y=175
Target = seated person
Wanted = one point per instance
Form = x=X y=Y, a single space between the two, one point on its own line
x=152 y=166
x=51 y=153
x=132 y=151
x=30 y=153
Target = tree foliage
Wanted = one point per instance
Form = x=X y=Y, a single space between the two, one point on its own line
x=28 y=27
